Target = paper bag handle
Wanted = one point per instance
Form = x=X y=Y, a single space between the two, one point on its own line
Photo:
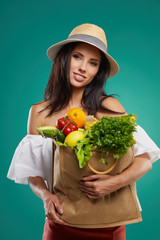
x=104 y=172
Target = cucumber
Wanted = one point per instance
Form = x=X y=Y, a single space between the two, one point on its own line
x=60 y=136
x=51 y=132
x=48 y=131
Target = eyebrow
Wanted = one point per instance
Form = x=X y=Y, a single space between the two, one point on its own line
x=93 y=59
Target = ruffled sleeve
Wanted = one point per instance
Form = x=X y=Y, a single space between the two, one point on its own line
x=32 y=157
x=144 y=144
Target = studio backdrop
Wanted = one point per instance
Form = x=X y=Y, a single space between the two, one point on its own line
x=27 y=29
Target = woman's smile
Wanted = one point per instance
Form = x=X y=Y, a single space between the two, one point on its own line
x=79 y=77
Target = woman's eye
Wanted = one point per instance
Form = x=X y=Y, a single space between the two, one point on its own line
x=94 y=63
x=76 y=56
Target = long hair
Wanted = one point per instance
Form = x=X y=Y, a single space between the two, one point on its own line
x=59 y=89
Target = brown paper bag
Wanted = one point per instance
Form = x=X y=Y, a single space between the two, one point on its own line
x=118 y=208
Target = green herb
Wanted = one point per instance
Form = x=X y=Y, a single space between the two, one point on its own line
x=109 y=135
x=103 y=160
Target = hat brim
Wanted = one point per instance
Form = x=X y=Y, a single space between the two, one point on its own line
x=54 y=49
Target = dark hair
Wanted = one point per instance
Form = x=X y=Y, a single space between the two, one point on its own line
x=59 y=89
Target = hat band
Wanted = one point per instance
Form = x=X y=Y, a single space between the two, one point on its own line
x=89 y=39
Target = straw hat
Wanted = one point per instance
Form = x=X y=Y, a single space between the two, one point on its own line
x=91 y=34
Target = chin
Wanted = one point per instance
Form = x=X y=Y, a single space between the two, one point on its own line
x=78 y=84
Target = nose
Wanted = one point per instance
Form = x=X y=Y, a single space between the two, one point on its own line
x=82 y=67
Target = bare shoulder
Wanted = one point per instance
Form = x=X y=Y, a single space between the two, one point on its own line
x=36 y=117
x=113 y=104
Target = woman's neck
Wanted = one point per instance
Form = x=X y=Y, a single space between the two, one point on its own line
x=75 y=100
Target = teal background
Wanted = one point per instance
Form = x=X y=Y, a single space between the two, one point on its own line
x=27 y=29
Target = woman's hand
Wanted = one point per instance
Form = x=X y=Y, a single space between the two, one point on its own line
x=96 y=186
x=51 y=201
x=52 y=206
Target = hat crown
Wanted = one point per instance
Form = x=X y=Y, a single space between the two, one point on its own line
x=90 y=29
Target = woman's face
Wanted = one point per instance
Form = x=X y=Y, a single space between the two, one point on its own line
x=84 y=65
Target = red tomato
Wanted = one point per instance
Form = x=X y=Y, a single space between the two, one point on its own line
x=74 y=126
x=70 y=128
x=70 y=125
x=62 y=122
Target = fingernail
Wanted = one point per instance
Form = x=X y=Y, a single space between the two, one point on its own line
x=61 y=211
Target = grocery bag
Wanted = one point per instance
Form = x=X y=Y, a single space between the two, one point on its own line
x=118 y=208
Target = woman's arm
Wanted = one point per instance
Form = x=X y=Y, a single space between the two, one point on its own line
x=37 y=184
x=96 y=186
x=51 y=202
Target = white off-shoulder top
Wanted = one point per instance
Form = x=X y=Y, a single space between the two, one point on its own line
x=33 y=156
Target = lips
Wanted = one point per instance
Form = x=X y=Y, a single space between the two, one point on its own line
x=79 y=77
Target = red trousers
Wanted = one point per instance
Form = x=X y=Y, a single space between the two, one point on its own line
x=54 y=231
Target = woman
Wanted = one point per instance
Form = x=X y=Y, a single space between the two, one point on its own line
x=81 y=67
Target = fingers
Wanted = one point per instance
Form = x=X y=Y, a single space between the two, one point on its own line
x=88 y=184
x=94 y=186
x=52 y=207
x=57 y=205
x=92 y=196
x=95 y=177
x=53 y=215
x=89 y=192
x=91 y=177
x=89 y=188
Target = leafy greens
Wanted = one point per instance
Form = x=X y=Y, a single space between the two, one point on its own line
x=108 y=135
